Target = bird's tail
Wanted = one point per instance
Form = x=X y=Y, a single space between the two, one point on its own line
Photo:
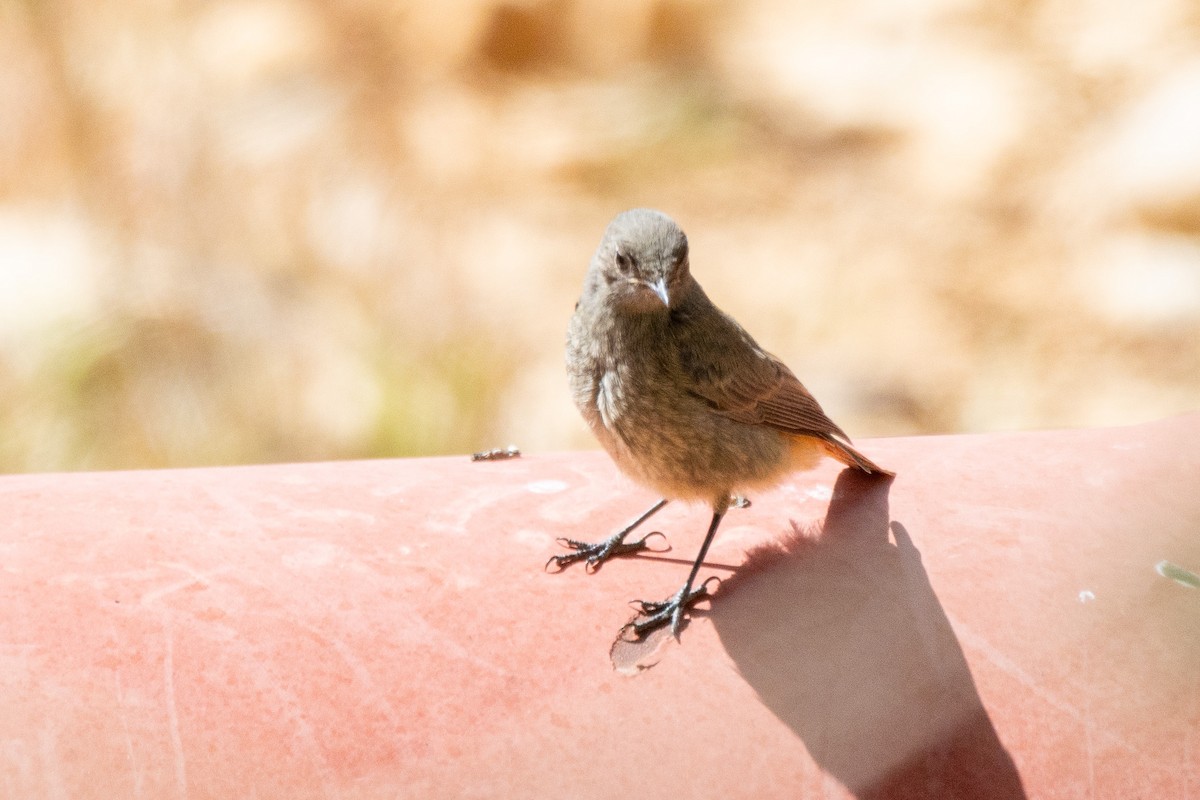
x=852 y=458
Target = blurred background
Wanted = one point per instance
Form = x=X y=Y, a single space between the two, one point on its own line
x=271 y=230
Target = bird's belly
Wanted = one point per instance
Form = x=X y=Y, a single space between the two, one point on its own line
x=684 y=451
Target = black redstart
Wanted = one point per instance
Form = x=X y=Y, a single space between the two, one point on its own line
x=680 y=395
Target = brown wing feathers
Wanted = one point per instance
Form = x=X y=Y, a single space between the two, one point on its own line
x=772 y=395
x=793 y=409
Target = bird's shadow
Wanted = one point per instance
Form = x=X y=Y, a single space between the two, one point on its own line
x=839 y=631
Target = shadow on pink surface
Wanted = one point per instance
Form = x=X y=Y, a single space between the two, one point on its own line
x=870 y=676
x=384 y=629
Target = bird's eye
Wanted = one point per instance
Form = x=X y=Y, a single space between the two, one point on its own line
x=624 y=262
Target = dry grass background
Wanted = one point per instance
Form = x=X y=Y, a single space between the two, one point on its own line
x=265 y=230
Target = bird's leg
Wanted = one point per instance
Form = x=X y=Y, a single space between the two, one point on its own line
x=596 y=553
x=672 y=609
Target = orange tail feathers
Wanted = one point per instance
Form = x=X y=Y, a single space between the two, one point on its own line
x=852 y=458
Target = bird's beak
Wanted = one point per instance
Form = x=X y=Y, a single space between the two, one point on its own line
x=659 y=287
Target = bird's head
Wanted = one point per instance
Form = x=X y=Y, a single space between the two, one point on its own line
x=642 y=261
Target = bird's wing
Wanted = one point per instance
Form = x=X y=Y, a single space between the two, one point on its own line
x=724 y=367
x=727 y=369
x=765 y=392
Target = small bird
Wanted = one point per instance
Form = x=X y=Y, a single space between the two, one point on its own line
x=681 y=396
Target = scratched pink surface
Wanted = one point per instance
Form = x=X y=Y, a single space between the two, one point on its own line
x=991 y=620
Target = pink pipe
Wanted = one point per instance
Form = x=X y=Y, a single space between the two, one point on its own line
x=990 y=623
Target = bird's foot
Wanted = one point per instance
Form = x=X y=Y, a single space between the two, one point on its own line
x=596 y=553
x=656 y=614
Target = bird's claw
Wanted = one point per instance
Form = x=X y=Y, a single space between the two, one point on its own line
x=596 y=553
x=658 y=613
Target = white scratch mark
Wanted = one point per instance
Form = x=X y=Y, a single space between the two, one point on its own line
x=291 y=710
x=969 y=637
x=121 y=715
x=312 y=556
x=420 y=630
x=332 y=515
x=546 y=487
x=454 y=517
x=1086 y=596
x=248 y=521
x=197 y=575
x=464 y=582
x=52 y=766
x=362 y=677
x=1189 y=775
x=1088 y=739
x=195 y=578
x=171 y=588
x=537 y=540
x=173 y=712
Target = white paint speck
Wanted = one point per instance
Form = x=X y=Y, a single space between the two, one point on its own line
x=1086 y=596
x=464 y=582
x=313 y=556
x=546 y=487
x=536 y=539
x=821 y=492
x=333 y=515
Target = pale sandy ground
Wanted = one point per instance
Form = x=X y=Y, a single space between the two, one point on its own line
x=261 y=230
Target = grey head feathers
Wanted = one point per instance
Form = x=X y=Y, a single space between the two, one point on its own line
x=642 y=261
